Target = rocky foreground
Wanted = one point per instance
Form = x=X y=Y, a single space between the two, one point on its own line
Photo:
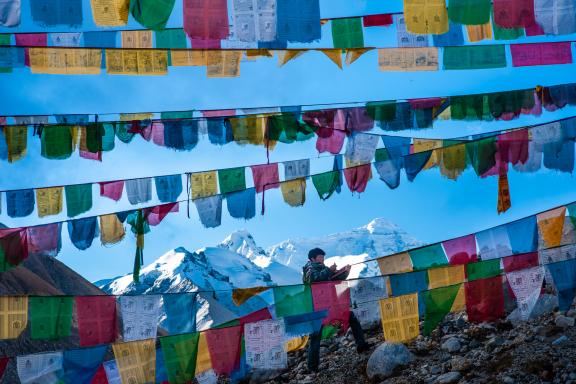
x=541 y=350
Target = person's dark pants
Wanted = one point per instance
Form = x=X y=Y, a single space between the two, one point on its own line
x=316 y=337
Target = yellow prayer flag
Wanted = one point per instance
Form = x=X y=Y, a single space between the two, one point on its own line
x=294 y=192
x=136 y=116
x=459 y=304
x=203 y=360
x=400 y=318
x=452 y=160
x=354 y=54
x=335 y=55
x=136 y=361
x=446 y=114
x=49 y=201
x=249 y=129
x=137 y=39
x=111 y=229
x=422 y=145
x=136 y=62
x=242 y=295
x=288 y=55
x=13 y=316
x=203 y=184
x=550 y=226
x=399 y=263
x=223 y=63
x=253 y=54
x=296 y=344
x=408 y=59
x=110 y=13
x=479 y=32
x=426 y=16
x=189 y=58
x=445 y=276
x=65 y=61
x=17 y=141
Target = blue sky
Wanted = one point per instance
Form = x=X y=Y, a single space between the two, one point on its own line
x=431 y=208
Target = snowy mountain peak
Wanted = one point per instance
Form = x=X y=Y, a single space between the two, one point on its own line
x=381 y=225
x=243 y=243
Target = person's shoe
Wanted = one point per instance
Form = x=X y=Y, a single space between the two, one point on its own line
x=363 y=347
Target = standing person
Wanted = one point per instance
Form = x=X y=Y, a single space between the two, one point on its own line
x=315 y=271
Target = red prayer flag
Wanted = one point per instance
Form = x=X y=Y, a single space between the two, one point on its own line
x=522 y=261
x=219 y=113
x=96 y=317
x=158 y=133
x=484 y=299
x=14 y=244
x=534 y=30
x=513 y=146
x=155 y=215
x=431 y=102
x=97 y=156
x=377 y=20
x=224 y=348
x=461 y=250
x=514 y=13
x=265 y=177
x=330 y=140
x=100 y=376
x=334 y=296
x=205 y=44
x=357 y=177
x=44 y=239
x=358 y=120
x=262 y=314
x=206 y=19
x=524 y=55
x=112 y=190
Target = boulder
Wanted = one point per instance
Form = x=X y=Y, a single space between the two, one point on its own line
x=386 y=358
x=564 y=321
x=449 y=378
x=451 y=345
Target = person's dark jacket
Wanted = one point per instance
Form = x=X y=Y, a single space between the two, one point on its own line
x=314 y=272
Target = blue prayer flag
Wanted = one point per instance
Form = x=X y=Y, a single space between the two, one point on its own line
x=180 y=313
x=103 y=39
x=454 y=36
x=168 y=188
x=405 y=283
x=338 y=167
x=80 y=365
x=298 y=20
x=83 y=231
x=181 y=135
x=20 y=203
x=304 y=324
x=161 y=373
x=242 y=204
x=61 y=12
x=523 y=235
x=559 y=157
x=397 y=146
x=414 y=163
x=564 y=276
x=12 y=57
x=219 y=131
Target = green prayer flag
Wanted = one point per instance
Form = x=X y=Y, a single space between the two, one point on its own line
x=469 y=12
x=109 y=137
x=56 y=142
x=293 y=300
x=430 y=256
x=328 y=331
x=94 y=135
x=483 y=269
x=438 y=303
x=286 y=128
x=170 y=39
x=78 y=199
x=180 y=353
x=472 y=107
x=176 y=115
x=347 y=33
x=383 y=111
x=232 y=179
x=152 y=14
x=50 y=317
x=5 y=38
x=139 y=227
x=481 y=154
x=475 y=57
x=122 y=132
x=510 y=102
x=506 y=33
x=326 y=183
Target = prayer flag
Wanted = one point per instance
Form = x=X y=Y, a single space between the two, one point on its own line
x=50 y=317
x=10 y=13
x=210 y=210
x=13 y=247
x=40 y=368
x=556 y=17
x=429 y=256
x=242 y=204
x=443 y=277
x=522 y=261
x=541 y=54
x=56 y=141
x=326 y=183
x=292 y=300
x=429 y=17
x=103 y=39
x=484 y=299
x=63 y=61
x=377 y=20
x=461 y=250
x=96 y=316
x=523 y=235
x=67 y=39
x=139 y=316
x=334 y=297
x=357 y=176
x=224 y=345
x=506 y=33
x=513 y=146
x=298 y=21
x=347 y=33
x=335 y=55
x=296 y=169
x=526 y=285
x=361 y=147
x=363 y=294
x=155 y=215
x=254 y=21
x=110 y=13
x=111 y=229
x=152 y=14
x=514 y=13
x=44 y=240
x=265 y=177
x=453 y=37
x=494 y=243
x=180 y=353
x=405 y=38
x=203 y=184
x=294 y=192
x=408 y=59
x=503 y=191
x=16 y=141
x=452 y=159
x=206 y=19
x=223 y=63
x=139 y=190
x=82 y=232
x=136 y=62
x=80 y=365
x=483 y=269
x=20 y=203
x=414 y=163
x=264 y=343
x=78 y=199
x=168 y=188
x=438 y=301
x=551 y=224
x=388 y=169
x=400 y=318
x=242 y=295
x=180 y=135
x=475 y=57
x=405 y=283
x=49 y=13
x=49 y=201
x=13 y=317
x=398 y=263
x=180 y=312
x=3 y=363
x=469 y=12
x=136 y=361
x=564 y=278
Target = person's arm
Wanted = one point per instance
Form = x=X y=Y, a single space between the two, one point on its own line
x=321 y=274
x=341 y=274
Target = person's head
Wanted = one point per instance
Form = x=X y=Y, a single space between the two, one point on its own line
x=316 y=255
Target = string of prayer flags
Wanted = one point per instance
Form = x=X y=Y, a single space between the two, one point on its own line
x=347 y=33
x=484 y=299
x=203 y=184
x=398 y=263
x=483 y=269
x=469 y=12
x=292 y=300
x=461 y=250
x=428 y=18
x=50 y=13
x=224 y=346
x=298 y=21
x=408 y=59
x=20 y=203
x=78 y=199
x=556 y=17
x=439 y=302
x=180 y=313
x=80 y=365
x=139 y=316
x=82 y=232
x=152 y=14
x=551 y=225
x=136 y=361
x=405 y=283
x=10 y=13
x=63 y=61
x=210 y=210
x=526 y=285
x=514 y=13
x=206 y=19
x=400 y=318
x=494 y=243
x=50 y=317
x=541 y=54
x=110 y=13
x=563 y=274
x=139 y=190
x=39 y=367
x=242 y=204
x=44 y=240
x=13 y=247
x=180 y=353
x=13 y=317
x=426 y=257
x=474 y=57
x=96 y=316
x=111 y=229
x=264 y=341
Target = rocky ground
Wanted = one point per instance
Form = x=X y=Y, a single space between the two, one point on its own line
x=541 y=350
